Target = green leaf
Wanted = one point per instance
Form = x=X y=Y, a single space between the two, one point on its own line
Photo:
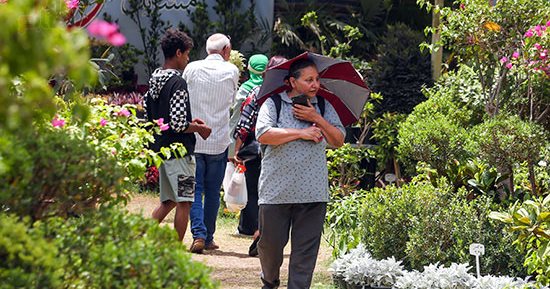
x=503 y=217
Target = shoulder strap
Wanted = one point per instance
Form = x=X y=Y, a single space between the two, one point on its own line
x=277 y=100
x=321 y=104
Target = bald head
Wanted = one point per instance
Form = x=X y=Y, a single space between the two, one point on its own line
x=216 y=43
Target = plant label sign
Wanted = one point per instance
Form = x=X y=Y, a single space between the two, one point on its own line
x=477 y=249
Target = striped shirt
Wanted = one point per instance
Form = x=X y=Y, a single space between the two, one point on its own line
x=212 y=84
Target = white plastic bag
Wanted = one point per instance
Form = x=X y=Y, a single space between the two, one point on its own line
x=234 y=187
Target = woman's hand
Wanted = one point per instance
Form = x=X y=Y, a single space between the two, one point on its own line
x=306 y=113
x=312 y=133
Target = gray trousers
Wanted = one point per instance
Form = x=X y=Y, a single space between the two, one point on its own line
x=304 y=223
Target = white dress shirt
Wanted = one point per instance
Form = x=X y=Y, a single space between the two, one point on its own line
x=212 y=84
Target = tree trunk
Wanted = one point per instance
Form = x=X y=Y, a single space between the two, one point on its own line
x=437 y=55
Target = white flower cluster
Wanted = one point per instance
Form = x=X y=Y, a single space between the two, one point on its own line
x=435 y=276
x=360 y=269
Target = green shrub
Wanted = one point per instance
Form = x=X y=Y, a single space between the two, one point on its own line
x=435 y=139
x=531 y=220
x=421 y=224
x=55 y=174
x=27 y=259
x=400 y=70
x=436 y=131
x=114 y=249
x=385 y=130
x=344 y=168
x=36 y=44
x=506 y=142
x=387 y=219
x=343 y=222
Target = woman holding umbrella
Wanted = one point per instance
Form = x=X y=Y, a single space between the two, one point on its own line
x=293 y=189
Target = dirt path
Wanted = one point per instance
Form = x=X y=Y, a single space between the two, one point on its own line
x=231 y=265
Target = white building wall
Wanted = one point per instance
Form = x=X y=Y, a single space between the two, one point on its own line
x=263 y=8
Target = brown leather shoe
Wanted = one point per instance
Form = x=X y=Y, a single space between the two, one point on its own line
x=212 y=246
x=197 y=246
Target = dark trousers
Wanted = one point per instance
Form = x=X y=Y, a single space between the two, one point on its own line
x=304 y=224
x=248 y=221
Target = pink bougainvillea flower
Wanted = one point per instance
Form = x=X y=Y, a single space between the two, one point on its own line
x=462 y=6
x=72 y=4
x=58 y=122
x=537 y=46
x=544 y=54
x=113 y=151
x=528 y=34
x=117 y=39
x=548 y=23
x=509 y=65
x=515 y=55
x=103 y=122
x=164 y=127
x=102 y=28
x=107 y=31
x=123 y=112
x=504 y=59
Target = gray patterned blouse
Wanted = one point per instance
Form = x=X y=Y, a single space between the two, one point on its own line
x=294 y=172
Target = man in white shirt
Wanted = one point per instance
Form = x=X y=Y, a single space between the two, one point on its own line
x=212 y=84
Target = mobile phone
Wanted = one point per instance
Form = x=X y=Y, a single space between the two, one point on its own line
x=300 y=99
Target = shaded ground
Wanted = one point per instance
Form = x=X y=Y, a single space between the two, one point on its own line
x=231 y=265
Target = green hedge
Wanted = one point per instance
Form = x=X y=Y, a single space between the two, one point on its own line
x=114 y=249
x=52 y=173
x=27 y=260
x=420 y=224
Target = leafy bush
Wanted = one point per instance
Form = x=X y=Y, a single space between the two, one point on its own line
x=344 y=168
x=28 y=260
x=486 y=36
x=36 y=45
x=400 y=70
x=343 y=222
x=113 y=249
x=385 y=130
x=435 y=139
x=436 y=131
x=115 y=65
x=420 y=223
x=117 y=131
x=531 y=219
x=506 y=142
x=387 y=220
x=56 y=174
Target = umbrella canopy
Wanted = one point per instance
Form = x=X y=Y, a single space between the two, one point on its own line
x=341 y=85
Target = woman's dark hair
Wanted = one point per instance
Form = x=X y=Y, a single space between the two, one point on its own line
x=173 y=40
x=298 y=65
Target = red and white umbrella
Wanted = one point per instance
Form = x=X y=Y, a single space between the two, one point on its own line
x=341 y=85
